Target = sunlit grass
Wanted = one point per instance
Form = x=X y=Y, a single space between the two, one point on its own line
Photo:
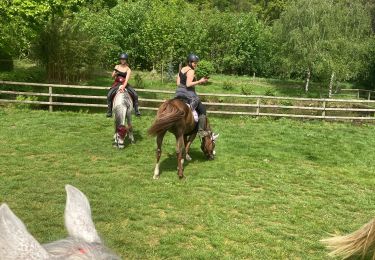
x=275 y=189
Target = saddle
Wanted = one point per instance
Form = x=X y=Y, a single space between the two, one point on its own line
x=118 y=80
x=186 y=101
x=116 y=83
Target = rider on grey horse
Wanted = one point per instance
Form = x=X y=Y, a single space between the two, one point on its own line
x=121 y=74
x=186 y=83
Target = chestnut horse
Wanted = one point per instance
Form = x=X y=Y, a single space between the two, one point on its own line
x=175 y=116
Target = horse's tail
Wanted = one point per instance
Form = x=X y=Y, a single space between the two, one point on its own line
x=168 y=114
x=358 y=243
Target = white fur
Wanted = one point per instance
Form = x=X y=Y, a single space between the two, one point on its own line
x=156 y=172
x=16 y=243
x=195 y=113
x=78 y=221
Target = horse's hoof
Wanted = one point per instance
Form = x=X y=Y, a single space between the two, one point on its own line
x=156 y=177
x=121 y=146
x=188 y=158
x=181 y=177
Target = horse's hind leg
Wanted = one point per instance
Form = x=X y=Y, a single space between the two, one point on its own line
x=159 y=141
x=179 y=150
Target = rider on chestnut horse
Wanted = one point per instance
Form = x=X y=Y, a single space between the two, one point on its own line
x=186 y=83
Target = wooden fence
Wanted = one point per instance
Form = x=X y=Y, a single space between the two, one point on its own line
x=305 y=108
x=357 y=93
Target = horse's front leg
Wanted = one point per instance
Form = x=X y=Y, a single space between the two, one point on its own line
x=188 y=144
x=179 y=150
x=130 y=127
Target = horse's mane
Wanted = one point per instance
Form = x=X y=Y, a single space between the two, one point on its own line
x=168 y=114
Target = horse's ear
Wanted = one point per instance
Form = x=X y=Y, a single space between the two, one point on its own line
x=78 y=219
x=15 y=241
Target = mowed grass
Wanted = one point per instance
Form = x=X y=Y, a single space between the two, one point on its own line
x=274 y=190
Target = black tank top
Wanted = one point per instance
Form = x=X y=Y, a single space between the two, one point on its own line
x=183 y=77
x=121 y=74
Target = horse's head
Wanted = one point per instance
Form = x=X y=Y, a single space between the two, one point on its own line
x=83 y=241
x=208 y=145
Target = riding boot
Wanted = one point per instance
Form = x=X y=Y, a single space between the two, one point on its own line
x=109 y=109
x=110 y=95
x=202 y=126
x=136 y=109
x=134 y=96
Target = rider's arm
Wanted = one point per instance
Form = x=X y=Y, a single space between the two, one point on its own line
x=190 y=78
x=114 y=72
x=125 y=83
x=178 y=79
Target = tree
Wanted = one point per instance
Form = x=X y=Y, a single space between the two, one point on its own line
x=312 y=40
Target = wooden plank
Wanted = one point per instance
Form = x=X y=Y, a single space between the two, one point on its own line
x=356 y=89
x=202 y=94
x=319 y=117
x=211 y=112
x=54 y=103
x=24 y=93
x=206 y=103
x=50 y=85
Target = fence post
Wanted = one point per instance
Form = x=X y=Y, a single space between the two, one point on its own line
x=258 y=106
x=324 y=109
x=358 y=94
x=369 y=95
x=50 y=99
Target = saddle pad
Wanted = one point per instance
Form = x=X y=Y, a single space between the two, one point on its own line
x=195 y=113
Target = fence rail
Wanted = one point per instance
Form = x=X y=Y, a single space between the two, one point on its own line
x=261 y=106
x=368 y=94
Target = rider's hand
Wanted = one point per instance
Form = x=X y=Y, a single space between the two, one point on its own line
x=122 y=88
x=203 y=80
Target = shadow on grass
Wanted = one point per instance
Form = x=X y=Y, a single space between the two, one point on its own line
x=170 y=163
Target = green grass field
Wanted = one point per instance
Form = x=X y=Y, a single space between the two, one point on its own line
x=274 y=190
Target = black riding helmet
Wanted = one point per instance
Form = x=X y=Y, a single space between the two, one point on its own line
x=192 y=58
x=123 y=56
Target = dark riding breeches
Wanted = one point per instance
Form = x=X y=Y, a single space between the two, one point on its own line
x=201 y=109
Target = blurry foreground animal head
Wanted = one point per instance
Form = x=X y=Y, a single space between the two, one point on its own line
x=83 y=241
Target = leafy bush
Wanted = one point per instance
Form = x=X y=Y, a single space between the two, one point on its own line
x=269 y=92
x=6 y=61
x=227 y=86
x=247 y=90
x=26 y=106
x=139 y=83
x=205 y=69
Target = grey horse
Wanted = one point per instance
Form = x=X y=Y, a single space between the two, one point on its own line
x=83 y=241
x=122 y=108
